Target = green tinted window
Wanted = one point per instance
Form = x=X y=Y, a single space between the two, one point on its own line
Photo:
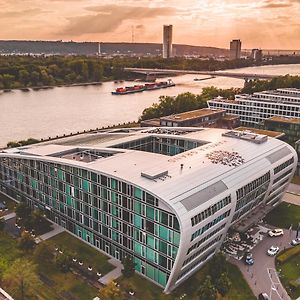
x=137 y=207
x=137 y=193
x=163 y=232
x=138 y=221
x=150 y=241
x=163 y=247
x=150 y=254
x=86 y=185
x=162 y=278
x=150 y=212
x=137 y=248
x=176 y=238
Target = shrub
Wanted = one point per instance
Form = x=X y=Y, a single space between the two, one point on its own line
x=286 y=255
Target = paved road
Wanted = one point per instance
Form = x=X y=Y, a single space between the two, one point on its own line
x=261 y=276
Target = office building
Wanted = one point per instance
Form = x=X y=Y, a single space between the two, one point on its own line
x=297 y=147
x=167 y=41
x=235 y=49
x=254 y=109
x=164 y=196
x=289 y=126
x=204 y=117
x=256 y=55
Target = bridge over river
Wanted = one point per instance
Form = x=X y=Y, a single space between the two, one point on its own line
x=153 y=72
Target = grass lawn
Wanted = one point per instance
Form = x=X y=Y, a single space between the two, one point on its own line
x=10 y=205
x=65 y=282
x=87 y=254
x=146 y=290
x=284 y=215
x=290 y=271
x=296 y=180
x=61 y=282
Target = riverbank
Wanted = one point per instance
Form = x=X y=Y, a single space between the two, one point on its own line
x=46 y=87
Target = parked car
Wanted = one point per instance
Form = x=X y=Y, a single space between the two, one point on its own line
x=275 y=232
x=248 y=259
x=263 y=296
x=295 y=242
x=273 y=250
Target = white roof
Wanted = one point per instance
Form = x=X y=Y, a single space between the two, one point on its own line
x=187 y=172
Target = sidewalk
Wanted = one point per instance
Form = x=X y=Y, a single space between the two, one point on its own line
x=114 y=274
x=9 y=216
x=291 y=198
x=56 y=230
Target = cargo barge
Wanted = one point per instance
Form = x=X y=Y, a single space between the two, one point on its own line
x=141 y=88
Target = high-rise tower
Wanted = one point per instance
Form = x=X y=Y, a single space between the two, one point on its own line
x=235 y=49
x=167 y=41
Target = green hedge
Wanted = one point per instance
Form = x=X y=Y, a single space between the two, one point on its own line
x=286 y=255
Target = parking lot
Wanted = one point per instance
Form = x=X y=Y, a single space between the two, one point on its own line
x=262 y=275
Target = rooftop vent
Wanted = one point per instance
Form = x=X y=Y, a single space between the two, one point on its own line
x=247 y=136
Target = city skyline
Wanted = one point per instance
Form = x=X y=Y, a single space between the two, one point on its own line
x=268 y=24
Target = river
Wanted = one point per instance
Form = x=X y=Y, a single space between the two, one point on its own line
x=44 y=113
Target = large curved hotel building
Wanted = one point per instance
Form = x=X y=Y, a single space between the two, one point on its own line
x=165 y=196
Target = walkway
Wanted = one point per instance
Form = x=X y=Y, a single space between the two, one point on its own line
x=262 y=276
x=9 y=216
x=114 y=274
x=294 y=188
x=56 y=230
x=291 y=198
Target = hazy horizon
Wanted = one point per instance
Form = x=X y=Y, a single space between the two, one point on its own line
x=266 y=24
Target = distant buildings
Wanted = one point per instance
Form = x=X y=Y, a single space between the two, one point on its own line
x=196 y=118
x=167 y=41
x=254 y=109
x=289 y=126
x=235 y=49
x=256 y=54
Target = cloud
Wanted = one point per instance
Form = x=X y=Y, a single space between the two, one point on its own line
x=110 y=17
x=22 y=13
x=275 y=4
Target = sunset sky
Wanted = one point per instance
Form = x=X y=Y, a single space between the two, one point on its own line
x=259 y=23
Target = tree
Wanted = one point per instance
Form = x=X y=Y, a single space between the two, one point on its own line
x=223 y=284
x=7 y=80
x=63 y=262
x=207 y=290
x=129 y=266
x=23 y=211
x=43 y=252
x=22 y=278
x=2 y=224
x=217 y=266
x=24 y=77
x=26 y=241
x=111 y=292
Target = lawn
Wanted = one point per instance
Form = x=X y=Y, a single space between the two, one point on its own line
x=67 y=282
x=10 y=205
x=290 y=271
x=146 y=290
x=89 y=255
x=290 y=212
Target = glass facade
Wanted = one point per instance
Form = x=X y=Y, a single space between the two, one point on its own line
x=114 y=216
x=155 y=144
